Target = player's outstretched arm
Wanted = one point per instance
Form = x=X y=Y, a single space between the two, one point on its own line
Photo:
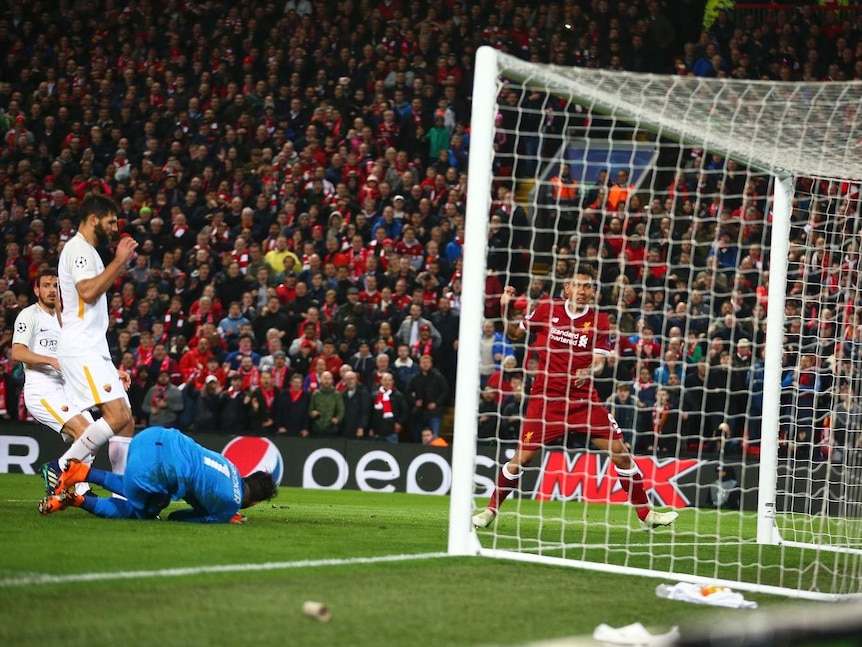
x=513 y=326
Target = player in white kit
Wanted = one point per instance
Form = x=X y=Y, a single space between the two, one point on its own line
x=34 y=343
x=82 y=351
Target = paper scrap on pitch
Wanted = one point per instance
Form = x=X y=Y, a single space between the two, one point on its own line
x=719 y=596
x=634 y=635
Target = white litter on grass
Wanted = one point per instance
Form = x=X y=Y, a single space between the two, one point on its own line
x=634 y=635
x=718 y=596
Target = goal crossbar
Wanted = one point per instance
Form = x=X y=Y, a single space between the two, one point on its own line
x=718 y=114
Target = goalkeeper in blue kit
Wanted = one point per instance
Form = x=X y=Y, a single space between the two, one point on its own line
x=164 y=465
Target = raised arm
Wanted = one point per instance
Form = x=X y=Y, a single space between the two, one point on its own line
x=513 y=325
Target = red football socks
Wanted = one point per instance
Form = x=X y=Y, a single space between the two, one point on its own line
x=506 y=483
x=632 y=483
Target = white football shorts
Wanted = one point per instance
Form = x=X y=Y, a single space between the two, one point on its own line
x=91 y=381
x=52 y=408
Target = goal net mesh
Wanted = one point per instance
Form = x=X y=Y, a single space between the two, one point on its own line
x=666 y=185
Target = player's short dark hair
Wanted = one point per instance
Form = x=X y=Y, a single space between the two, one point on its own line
x=98 y=205
x=261 y=487
x=48 y=271
x=585 y=269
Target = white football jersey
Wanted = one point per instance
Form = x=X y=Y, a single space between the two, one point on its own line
x=40 y=332
x=84 y=326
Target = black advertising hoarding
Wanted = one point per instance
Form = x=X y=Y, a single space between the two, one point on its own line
x=372 y=466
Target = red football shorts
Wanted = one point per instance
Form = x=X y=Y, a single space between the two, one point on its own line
x=548 y=419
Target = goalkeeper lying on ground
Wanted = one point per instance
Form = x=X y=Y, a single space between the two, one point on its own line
x=163 y=465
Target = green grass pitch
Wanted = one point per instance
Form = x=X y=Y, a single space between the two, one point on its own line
x=73 y=579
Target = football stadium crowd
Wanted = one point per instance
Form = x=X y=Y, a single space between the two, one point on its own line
x=295 y=175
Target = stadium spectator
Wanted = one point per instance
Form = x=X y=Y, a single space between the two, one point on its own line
x=389 y=411
x=357 y=407
x=164 y=401
x=234 y=405
x=404 y=367
x=623 y=406
x=489 y=428
x=326 y=407
x=426 y=392
x=262 y=406
x=513 y=411
x=244 y=349
x=501 y=379
x=292 y=409
x=494 y=348
x=207 y=405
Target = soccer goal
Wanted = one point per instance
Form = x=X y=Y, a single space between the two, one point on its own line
x=722 y=217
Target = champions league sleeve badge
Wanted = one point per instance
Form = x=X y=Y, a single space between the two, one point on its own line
x=81 y=262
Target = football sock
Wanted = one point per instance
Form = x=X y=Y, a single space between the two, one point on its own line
x=108 y=480
x=632 y=483
x=506 y=482
x=118 y=451
x=94 y=436
x=83 y=488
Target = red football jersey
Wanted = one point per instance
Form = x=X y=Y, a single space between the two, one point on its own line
x=565 y=342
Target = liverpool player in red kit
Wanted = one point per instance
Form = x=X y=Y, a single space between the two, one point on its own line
x=571 y=343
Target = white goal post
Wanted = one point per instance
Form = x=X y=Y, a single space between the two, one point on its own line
x=804 y=539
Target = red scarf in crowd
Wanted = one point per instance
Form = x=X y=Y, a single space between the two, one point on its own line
x=145 y=355
x=268 y=397
x=159 y=394
x=174 y=321
x=166 y=365
x=278 y=376
x=329 y=310
x=295 y=395
x=421 y=348
x=659 y=415
x=3 y=408
x=250 y=378
x=384 y=402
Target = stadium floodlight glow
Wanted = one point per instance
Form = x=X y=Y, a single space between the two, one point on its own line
x=735 y=178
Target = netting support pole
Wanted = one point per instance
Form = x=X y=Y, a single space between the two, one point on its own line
x=782 y=206
x=462 y=537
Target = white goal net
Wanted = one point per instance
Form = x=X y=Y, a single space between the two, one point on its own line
x=722 y=220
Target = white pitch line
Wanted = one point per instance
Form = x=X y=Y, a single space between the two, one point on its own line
x=40 y=579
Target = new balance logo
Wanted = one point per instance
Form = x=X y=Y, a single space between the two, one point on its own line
x=555 y=320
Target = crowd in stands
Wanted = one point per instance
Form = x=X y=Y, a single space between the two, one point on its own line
x=295 y=174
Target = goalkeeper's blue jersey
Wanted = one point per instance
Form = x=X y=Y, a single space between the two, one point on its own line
x=165 y=464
